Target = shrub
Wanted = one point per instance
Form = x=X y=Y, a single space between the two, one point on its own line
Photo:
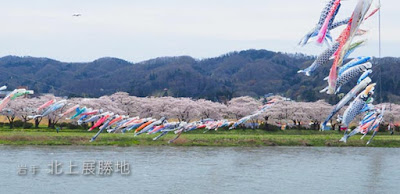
x=28 y=125
x=21 y=124
x=73 y=126
x=18 y=124
x=69 y=125
x=269 y=127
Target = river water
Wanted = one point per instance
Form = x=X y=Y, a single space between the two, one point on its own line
x=200 y=170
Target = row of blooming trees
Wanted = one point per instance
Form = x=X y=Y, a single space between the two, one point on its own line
x=293 y=114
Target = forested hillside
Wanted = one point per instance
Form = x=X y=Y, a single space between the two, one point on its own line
x=250 y=72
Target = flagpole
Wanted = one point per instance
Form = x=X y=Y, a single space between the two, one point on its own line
x=380 y=53
x=379 y=23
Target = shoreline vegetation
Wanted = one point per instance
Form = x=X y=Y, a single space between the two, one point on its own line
x=223 y=138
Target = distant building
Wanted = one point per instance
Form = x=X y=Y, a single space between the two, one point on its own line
x=23 y=87
x=287 y=99
x=165 y=92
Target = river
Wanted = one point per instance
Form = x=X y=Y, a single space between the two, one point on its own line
x=200 y=169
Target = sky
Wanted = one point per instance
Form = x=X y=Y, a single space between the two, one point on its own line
x=139 y=30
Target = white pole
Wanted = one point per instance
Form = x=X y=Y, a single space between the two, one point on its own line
x=380 y=53
x=379 y=23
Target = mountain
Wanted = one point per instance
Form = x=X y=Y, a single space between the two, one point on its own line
x=249 y=72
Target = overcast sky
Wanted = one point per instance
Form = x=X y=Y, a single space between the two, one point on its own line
x=139 y=30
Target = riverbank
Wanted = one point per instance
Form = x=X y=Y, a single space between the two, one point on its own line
x=197 y=138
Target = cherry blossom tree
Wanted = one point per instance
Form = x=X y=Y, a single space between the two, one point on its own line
x=41 y=100
x=391 y=115
x=316 y=112
x=20 y=108
x=209 y=109
x=10 y=115
x=105 y=103
x=184 y=109
x=25 y=107
x=298 y=114
x=128 y=104
x=243 y=106
x=54 y=117
x=162 y=107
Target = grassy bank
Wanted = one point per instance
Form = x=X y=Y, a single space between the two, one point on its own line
x=196 y=138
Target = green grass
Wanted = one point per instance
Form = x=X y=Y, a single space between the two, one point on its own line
x=238 y=137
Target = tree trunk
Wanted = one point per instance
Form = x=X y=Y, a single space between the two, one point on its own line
x=54 y=123
x=24 y=124
x=297 y=124
x=85 y=126
x=11 y=121
x=49 y=124
x=37 y=122
x=266 y=126
x=314 y=126
x=25 y=120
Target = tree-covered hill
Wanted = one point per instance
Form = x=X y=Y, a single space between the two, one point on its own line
x=250 y=72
